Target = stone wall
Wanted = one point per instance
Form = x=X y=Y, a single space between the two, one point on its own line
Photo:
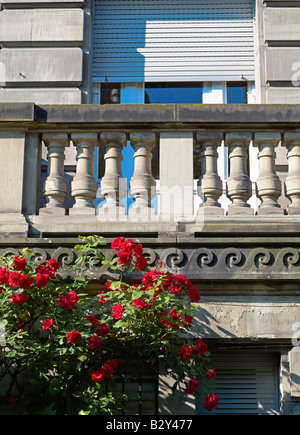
x=278 y=51
x=43 y=53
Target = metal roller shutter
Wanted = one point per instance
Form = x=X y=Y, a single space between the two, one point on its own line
x=163 y=40
x=247 y=384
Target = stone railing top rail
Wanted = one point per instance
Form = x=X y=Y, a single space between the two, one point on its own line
x=160 y=116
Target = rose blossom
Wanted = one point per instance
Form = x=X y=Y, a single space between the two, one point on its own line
x=141 y=263
x=188 y=320
x=94 y=343
x=4 y=274
x=211 y=374
x=186 y=352
x=74 y=337
x=41 y=280
x=69 y=301
x=47 y=324
x=200 y=347
x=103 y=330
x=194 y=294
x=19 y=264
x=211 y=401
x=192 y=385
x=117 y=312
x=25 y=281
x=140 y=304
x=93 y=320
x=105 y=372
x=13 y=279
x=116 y=243
x=20 y=299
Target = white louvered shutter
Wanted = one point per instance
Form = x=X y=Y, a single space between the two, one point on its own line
x=178 y=40
x=246 y=384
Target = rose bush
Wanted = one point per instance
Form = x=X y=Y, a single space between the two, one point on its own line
x=65 y=348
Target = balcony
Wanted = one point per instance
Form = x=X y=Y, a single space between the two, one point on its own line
x=204 y=176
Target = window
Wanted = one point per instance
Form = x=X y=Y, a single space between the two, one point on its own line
x=247 y=384
x=237 y=92
x=110 y=93
x=164 y=93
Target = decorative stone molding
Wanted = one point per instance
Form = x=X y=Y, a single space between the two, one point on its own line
x=211 y=261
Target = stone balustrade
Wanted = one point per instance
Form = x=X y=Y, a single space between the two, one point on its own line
x=227 y=169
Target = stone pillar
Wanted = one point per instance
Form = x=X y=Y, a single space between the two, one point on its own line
x=292 y=182
x=142 y=184
x=55 y=186
x=176 y=175
x=209 y=183
x=238 y=183
x=12 y=178
x=268 y=183
x=84 y=185
x=113 y=185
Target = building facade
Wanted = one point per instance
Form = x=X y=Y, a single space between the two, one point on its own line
x=177 y=124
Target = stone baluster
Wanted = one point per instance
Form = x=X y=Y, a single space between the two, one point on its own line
x=142 y=184
x=113 y=185
x=55 y=186
x=292 y=182
x=238 y=183
x=84 y=185
x=210 y=184
x=268 y=183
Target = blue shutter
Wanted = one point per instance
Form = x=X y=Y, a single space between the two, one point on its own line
x=178 y=40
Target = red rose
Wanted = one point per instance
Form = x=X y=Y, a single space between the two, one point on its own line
x=74 y=337
x=126 y=252
x=19 y=263
x=109 y=368
x=116 y=243
x=176 y=290
x=141 y=263
x=20 y=299
x=93 y=320
x=4 y=274
x=138 y=250
x=25 y=281
x=13 y=279
x=211 y=401
x=94 y=343
x=188 y=320
x=174 y=314
x=69 y=301
x=117 y=312
x=41 y=280
x=103 y=330
x=97 y=376
x=141 y=304
x=105 y=372
x=200 y=347
x=124 y=258
x=47 y=324
x=186 y=352
x=192 y=386
x=194 y=294
x=211 y=374
x=53 y=264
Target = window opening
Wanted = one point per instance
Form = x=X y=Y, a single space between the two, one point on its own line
x=237 y=93
x=173 y=93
